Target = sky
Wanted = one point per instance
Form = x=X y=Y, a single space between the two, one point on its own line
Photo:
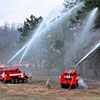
x=15 y=11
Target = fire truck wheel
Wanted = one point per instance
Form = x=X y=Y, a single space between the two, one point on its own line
x=62 y=85
x=25 y=79
x=16 y=80
x=12 y=80
x=76 y=86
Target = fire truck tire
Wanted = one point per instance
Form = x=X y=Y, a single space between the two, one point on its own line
x=16 y=80
x=62 y=85
x=12 y=80
x=76 y=86
x=25 y=79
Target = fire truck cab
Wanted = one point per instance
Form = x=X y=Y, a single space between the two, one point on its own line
x=69 y=79
x=13 y=75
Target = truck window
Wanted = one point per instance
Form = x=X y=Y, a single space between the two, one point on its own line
x=74 y=74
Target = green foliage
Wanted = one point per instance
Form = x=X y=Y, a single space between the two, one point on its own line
x=90 y=4
x=70 y=3
x=29 y=25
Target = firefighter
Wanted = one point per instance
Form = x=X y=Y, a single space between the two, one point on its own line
x=30 y=78
x=48 y=84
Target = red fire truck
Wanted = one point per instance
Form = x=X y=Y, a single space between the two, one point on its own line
x=13 y=75
x=69 y=79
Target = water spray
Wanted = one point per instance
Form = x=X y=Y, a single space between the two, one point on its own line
x=39 y=32
x=68 y=13
x=91 y=19
x=86 y=30
x=70 y=74
x=88 y=54
x=17 y=53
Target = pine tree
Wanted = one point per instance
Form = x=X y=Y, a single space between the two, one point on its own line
x=29 y=25
x=88 y=6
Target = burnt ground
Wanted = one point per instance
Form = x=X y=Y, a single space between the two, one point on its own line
x=38 y=91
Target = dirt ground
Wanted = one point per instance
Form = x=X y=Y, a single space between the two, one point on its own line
x=38 y=91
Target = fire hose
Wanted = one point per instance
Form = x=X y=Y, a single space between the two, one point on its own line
x=71 y=84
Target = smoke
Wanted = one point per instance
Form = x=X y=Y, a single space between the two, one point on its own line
x=82 y=83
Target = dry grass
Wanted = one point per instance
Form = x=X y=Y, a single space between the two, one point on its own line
x=38 y=91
